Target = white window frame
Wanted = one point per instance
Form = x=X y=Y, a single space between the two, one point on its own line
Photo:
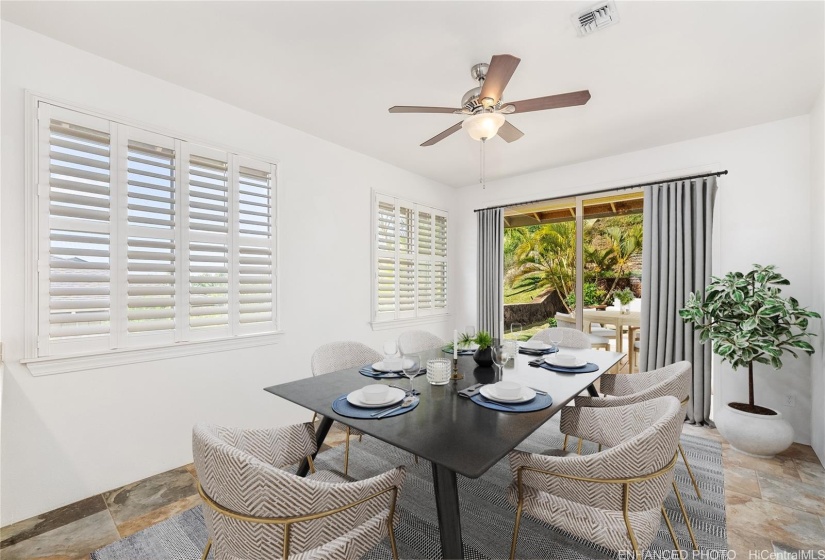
x=416 y=316
x=151 y=350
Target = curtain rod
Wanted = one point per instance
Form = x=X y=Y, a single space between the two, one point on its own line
x=659 y=182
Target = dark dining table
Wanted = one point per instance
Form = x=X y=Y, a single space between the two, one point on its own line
x=457 y=436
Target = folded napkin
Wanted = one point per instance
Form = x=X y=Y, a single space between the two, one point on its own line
x=539 y=403
x=534 y=352
x=369 y=372
x=586 y=368
x=461 y=352
x=342 y=406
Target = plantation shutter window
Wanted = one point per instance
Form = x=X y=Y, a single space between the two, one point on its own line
x=147 y=240
x=410 y=260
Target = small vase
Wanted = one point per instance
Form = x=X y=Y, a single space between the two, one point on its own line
x=484 y=357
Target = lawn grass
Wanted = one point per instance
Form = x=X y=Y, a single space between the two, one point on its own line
x=521 y=294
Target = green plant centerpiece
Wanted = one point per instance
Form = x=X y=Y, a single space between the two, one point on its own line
x=748 y=321
x=624 y=296
x=484 y=354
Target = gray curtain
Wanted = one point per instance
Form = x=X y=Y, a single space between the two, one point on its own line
x=490 y=275
x=676 y=260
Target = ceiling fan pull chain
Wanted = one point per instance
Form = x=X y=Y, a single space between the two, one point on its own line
x=482 y=179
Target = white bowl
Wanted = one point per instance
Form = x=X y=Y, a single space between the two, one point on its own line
x=508 y=389
x=375 y=393
x=565 y=359
x=534 y=344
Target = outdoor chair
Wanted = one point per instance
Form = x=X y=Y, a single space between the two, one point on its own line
x=614 y=497
x=255 y=509
x=411 y=342
x=572 y=338
x=336 y=356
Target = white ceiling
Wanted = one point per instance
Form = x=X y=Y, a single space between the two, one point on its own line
x=667 y=72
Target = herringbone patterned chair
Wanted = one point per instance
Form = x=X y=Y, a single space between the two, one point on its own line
x=615 y=497
x=336 y=356
x=411 y=342
x=622 y=389
x=572 y=338
x=257 y=510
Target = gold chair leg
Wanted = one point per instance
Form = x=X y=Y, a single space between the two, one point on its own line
x=346 y=453
x=625 y=505
x=600 y=448
x=670 y=530
x=690 y=472
x=390 y=525
x=360 y=437
x=516 y=527
x=314 y=416
x=579 y=448
x=685 y=515
x=311 y=464
x=564 y=447
x=416 y=459
x=206 y=550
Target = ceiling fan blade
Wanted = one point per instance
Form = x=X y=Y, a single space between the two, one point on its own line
x=499 y=73
x=552 y=101
x=412 y=109
x=509 y=133
x=439 y=137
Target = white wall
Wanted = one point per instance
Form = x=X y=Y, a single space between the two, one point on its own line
x=762 y=216
x=69 y=436
x=818 y=272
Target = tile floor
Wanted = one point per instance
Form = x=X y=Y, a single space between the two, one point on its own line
x=775 y=505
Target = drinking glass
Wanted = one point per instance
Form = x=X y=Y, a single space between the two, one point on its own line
x=511 y=348
x=515 y=330
x=390 y=355
x=499 y=356
x=411 y=365
x=556 y=337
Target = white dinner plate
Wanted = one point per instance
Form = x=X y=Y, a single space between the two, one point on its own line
x=393 y=396
x=534 y=345
x=551 y=359
x=527 y=395
x=379 y=366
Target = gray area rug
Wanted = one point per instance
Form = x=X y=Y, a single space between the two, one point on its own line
x=486 y=516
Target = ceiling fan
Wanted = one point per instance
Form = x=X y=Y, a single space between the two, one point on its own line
x=485 y=108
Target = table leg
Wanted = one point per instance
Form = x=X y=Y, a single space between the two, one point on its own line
x=631 y=348
x=619 y=336
x=449 y=515
x=320 y=436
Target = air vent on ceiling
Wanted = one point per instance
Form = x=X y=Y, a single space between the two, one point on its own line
x=595 y=18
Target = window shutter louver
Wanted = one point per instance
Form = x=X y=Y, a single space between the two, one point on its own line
x=440 y=263
x=209 y=258
x=406 y=260
x=76 y=212
x=385 y=274
x=256 y=295
x=425 y=269
x=151 y=217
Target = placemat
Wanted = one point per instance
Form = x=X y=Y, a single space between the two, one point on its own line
x=539 y=403
x=587 y=368
x=531 y=352
x=342 y=406
x=369 y=372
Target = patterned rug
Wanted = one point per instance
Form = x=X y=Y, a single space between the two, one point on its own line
x=486 y=516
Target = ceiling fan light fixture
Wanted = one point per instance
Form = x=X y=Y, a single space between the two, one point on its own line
x=483 y=125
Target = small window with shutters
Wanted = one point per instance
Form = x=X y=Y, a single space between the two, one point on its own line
x=410 y=260
x=147 y=240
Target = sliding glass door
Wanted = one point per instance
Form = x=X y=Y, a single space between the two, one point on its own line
x=575 y=262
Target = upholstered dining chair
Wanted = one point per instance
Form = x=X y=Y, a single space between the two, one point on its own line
x=336 y=356
x=572 y=338
x=255 y=509
x=621 y=389
x=411 y=342
x=614 y=497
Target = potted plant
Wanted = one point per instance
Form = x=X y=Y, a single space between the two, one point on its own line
x=624 y=296
x=484 y=354
x=748 y=321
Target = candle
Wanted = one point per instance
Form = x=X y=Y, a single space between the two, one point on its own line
x=455 y=344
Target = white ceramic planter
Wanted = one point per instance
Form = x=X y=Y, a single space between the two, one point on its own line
x=754 y=434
